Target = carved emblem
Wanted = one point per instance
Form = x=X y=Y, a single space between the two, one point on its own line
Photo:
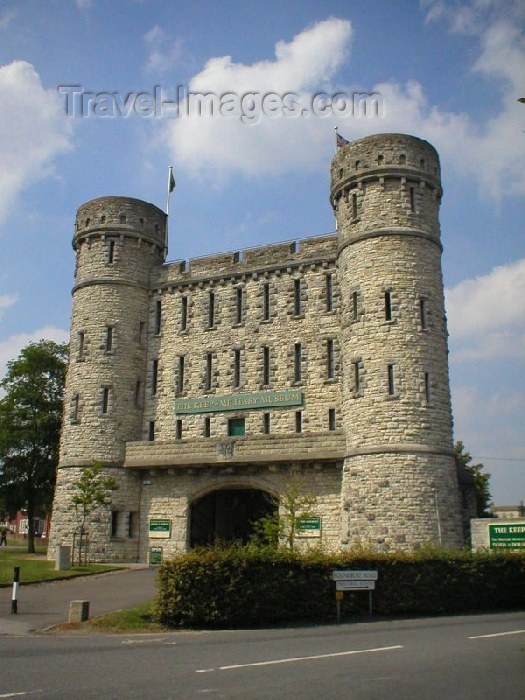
x=226 y=448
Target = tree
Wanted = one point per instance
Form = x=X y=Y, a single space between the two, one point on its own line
x=30 y=419
x=481 y=480
x=92 y=491
x=282 y=524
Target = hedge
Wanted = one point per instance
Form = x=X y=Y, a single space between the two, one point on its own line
x=244 y=587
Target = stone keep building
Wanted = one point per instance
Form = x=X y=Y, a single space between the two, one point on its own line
x=204 y=387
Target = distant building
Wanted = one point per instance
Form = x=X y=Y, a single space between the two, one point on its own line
x=509 y=511
x=203 y=387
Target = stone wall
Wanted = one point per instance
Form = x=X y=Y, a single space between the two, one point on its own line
x=102 y=545
x=248 y=332
x=169 y=495
x=395 y=393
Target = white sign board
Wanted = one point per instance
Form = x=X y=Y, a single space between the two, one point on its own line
x=355 y=585
x=354 y=575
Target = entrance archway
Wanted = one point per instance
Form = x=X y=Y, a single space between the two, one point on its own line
x=227 y=515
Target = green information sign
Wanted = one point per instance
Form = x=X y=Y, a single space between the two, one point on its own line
x=236 y=402
x=155 y=556
x=160 y=529
x=309 y=527
x=510 y=537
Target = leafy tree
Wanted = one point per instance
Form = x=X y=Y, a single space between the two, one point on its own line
x=92 y=491
x=481 y=480
x=30 y=419
x=281 y=525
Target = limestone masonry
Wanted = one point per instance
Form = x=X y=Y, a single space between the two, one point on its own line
x=207 y=388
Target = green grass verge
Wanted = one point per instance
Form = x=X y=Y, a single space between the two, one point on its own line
x=35 y=568
x=138 y=619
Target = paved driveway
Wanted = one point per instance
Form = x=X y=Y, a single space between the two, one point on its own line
x=44 y=604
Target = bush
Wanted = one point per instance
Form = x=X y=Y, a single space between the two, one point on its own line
x=250 y=587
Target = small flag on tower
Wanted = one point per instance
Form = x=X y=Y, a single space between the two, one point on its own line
x=171 y=181
x=339 y=140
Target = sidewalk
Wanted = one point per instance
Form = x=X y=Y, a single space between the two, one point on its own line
x=41 y=605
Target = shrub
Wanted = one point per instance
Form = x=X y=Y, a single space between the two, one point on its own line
x=252 y=587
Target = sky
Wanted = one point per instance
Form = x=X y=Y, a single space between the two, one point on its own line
x=253 y=173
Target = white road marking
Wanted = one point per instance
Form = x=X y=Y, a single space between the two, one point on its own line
x=498 y=634
x=299 y=658
x=146 y=641
x=14 y=695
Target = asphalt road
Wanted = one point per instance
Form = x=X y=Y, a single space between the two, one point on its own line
x=470 y=657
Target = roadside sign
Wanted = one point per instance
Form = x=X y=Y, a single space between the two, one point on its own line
x=354 y=575
x=339 y=595
x=155 y=556
x=508 y=536
x=355 y=585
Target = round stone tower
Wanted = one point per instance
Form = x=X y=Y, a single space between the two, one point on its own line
x=400 y=486
x=117 y=241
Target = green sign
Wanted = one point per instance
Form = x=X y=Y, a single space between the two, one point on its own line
x=237 y=402
x=155 y=556
x=310 y=527
x=160 y=529
x=507 y=536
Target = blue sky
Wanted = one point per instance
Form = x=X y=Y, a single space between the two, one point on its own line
x=449 y=72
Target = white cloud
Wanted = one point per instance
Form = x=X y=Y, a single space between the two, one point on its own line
x=83 y=4
x=10 y=348
x=33 y=130
x=7 y=300
x=164 y=52
x=223 y=144
x=491 y=153
x=486 y=315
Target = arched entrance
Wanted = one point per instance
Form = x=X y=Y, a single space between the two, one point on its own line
x=227 y=515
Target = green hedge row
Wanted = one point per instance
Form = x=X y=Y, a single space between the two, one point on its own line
x=242 y=587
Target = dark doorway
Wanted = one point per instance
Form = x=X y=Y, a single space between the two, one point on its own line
x=227 y=515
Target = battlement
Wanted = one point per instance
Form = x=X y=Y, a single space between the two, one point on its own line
x=120 y=216
x=250 y=260
x=383 y=156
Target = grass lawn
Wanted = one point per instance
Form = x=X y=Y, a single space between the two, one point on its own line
x=34 y=567
x=138 y=619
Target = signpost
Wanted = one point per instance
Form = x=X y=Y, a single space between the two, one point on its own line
x=353 y=581
x=509 y=537
x=308 y=527
x=355 y=585
x=160 y=529
x=155 y=556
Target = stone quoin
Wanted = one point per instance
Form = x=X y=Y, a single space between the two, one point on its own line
x=206 y=388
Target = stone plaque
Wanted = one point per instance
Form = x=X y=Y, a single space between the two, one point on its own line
x=238 y=402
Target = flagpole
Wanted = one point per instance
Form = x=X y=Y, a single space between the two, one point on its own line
x=170 y=189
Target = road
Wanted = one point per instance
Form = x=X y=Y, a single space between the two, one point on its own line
x=474 y=657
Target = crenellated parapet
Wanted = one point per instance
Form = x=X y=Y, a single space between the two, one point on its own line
x=253 y=262
x=386 y=182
